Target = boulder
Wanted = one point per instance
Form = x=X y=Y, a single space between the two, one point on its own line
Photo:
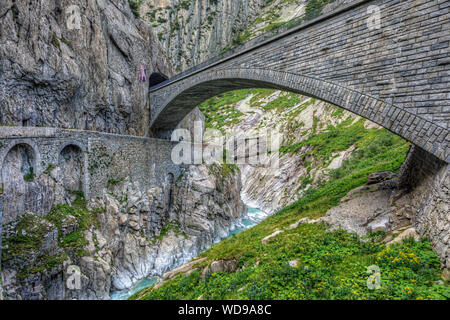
x=361 y=210
x=381 y=176
x=274 y=234
x=222 y=265
x=304 y=220
x=381 y=223
x=446 y=274
x=184 y=269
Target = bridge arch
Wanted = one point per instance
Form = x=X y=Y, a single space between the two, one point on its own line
x=173 y=101
x=18 y=173
x=29 y=145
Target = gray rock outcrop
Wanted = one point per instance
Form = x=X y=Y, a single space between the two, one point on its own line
x=207 y=202
x=193 y=31
x=70 y=77
x=369 y=209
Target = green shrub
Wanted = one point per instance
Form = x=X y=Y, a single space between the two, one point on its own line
x=314 y=8
x=26 y=237
x=29 y=177
x=134 y=6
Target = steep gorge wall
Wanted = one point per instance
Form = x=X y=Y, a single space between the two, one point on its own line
x=194 y=30
x=83 y=78
x=428 y=180
x=296 y=118
x=138 y=233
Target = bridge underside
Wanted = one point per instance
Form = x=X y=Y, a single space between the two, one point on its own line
x=178 y=108
x=385 y=60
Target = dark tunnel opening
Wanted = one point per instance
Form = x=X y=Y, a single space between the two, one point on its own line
x=157 y=78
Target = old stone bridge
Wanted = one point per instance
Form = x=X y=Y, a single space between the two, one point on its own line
x=387 y=61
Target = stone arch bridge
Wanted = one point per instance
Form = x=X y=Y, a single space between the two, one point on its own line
x=387 y=61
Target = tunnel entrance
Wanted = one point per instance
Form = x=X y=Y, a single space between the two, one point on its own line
x=157 y=78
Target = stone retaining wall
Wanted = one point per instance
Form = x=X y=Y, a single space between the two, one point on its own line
x=429 y=181
x=107 y=159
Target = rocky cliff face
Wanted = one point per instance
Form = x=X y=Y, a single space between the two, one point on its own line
x=273 y=14
x=78 y=65
x=194 y=30
x=87 y=78
x=130 y=234
x=297 y=171
x=207 y=201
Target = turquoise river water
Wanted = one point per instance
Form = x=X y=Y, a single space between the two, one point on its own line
x=254 y=217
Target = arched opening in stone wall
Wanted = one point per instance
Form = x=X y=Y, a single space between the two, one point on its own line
x=18 y=175
x=71 y=168
x=157 y=78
